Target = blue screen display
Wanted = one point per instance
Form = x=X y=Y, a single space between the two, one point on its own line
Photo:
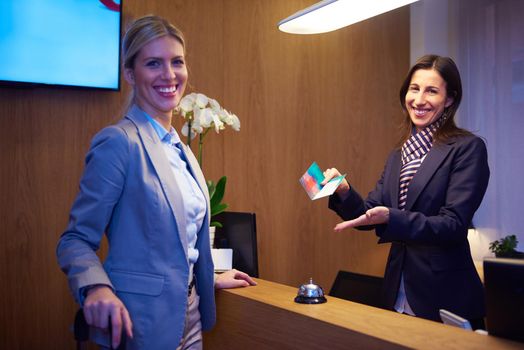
x=60 y=42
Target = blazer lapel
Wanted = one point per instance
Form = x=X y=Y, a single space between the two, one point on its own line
x=428 y=167
x=394 y=176
x=161 y=164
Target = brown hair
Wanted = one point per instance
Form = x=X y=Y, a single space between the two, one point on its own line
x=449 y=72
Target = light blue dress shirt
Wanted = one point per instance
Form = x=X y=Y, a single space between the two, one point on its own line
x=193 y=198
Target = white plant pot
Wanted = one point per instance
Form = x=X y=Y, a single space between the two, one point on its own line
x=212 y=230
x=222 y=258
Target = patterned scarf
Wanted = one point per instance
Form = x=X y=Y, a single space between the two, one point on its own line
x=413 y=150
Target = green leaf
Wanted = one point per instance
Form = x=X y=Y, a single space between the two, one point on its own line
x=504 y=245
x=215 y=223
x=210 y=188
x=218 y=193
x=218 y=209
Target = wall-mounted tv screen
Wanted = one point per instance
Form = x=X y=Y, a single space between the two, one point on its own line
x=60 y=42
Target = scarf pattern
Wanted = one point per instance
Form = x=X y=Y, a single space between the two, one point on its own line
x=412 y=153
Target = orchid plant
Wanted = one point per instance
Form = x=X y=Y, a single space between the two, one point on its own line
x=201 y=114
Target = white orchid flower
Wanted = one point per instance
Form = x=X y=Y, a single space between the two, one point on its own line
x=197 y=116
x=193 y=96
x=225 y=117
x=185 y=130
x=215 y=106
x=236 y=122
x=203 y=113
x=197 y=127
x=201 y=100
x=218 y=124
x=204 y=117
x=187 y=104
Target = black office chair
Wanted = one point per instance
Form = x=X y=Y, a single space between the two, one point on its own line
x=239 y=233
x=363 y=289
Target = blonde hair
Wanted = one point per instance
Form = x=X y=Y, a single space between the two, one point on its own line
x=139 y=33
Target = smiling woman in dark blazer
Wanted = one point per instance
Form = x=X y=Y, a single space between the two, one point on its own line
x=425 y=200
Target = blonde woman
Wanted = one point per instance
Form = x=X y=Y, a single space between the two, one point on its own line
x=144 y=189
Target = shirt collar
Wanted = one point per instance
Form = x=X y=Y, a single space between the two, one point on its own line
x=170 y=136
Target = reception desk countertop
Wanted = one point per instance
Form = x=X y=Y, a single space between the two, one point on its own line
x=266 y=317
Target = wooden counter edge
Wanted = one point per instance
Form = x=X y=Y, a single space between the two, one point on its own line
x=389 y=326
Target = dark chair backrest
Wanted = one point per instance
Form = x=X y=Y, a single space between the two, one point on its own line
x=363 y=289
x=239 y=233
x=504 y=283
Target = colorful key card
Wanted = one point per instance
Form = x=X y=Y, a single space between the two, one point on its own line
x=311 y=182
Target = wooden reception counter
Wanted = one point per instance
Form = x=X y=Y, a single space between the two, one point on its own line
x=266 y=317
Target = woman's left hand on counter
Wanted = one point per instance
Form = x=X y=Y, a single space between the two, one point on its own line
x=374 y=216
x=233 y=279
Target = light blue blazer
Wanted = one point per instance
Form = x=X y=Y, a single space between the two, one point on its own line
x=129 y=193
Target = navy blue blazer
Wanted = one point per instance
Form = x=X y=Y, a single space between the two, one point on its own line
x=429 y=238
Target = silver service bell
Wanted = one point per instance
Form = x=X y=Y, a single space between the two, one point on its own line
x=310 y=293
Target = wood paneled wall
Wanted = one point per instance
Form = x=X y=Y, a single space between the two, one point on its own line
x=328 y=98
